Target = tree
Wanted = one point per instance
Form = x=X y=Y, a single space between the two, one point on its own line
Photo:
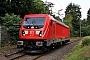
x=74 y=11
x=83 y=27
x=22 y=7
x=68 y=21
x=2 y=7
x=10 y=21
x=88 y=16
x=56 y=17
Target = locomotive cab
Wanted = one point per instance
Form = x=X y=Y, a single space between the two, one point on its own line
x=33 y=25
x=32 y=32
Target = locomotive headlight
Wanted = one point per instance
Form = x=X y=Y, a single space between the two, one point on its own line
x=37 y=32
x=24 y=32
x=40 y=33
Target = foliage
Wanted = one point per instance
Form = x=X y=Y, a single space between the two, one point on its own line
x=88 y=16
x=56 y=17
x=83 y=32
x=79 y=53
x=85 y=28
x=74 y=11
x=88 y=30
x=22 y=7
x=72 y=19
x=68 y=20
x=86 y=40
x=2 y=7
x=11 y=22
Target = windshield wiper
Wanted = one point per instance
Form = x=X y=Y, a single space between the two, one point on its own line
x=33 y=21
x=27 y=21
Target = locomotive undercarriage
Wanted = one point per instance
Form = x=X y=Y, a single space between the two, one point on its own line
x=36 y=46
x=32 y=45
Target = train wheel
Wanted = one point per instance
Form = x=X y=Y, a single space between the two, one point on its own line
x=48 y=48
x=58 y=45
x=52 y=46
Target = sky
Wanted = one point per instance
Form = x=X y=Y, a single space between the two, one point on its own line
x=62 y=4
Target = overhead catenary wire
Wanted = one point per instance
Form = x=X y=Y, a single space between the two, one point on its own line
x=55 y=9
x=58 y=3
x=60 y=9
x=50 y=5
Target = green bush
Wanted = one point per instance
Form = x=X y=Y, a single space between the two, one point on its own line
x=11 y=21
x=86 y=41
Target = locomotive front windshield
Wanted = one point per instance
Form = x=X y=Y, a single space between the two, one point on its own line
x=34 y=22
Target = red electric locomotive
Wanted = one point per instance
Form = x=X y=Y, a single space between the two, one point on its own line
x=39 y=32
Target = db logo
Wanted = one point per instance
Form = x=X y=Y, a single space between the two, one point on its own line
x=31 y=32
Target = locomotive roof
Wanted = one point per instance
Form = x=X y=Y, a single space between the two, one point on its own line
x=44 y=15
x=35 y=15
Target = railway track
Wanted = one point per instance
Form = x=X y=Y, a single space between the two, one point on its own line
x=20 y=54
x=14 y=55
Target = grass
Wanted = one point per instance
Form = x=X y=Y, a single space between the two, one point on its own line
x=80 y=53
x=75 y=38
x=86 y=40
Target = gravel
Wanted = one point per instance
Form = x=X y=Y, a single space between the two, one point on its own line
x=3 y=57
x=61 y=53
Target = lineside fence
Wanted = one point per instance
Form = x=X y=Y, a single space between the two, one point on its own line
x=4 y=36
